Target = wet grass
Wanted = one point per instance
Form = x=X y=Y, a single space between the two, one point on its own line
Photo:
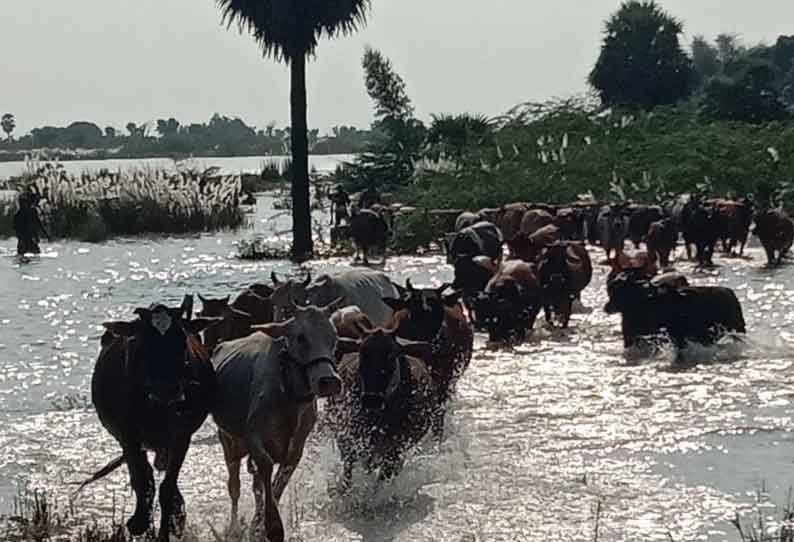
x=768 y=522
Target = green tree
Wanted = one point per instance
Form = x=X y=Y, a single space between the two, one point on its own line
x=167 y=128
x=752 y=96
x=289 y=31
x=9 y=123
x=385 y=87
x=705 y=59
x=642 y=62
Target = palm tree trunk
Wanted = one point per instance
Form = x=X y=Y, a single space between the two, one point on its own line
x=302 y=246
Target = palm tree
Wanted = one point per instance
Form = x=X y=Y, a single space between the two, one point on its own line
x=288 y=31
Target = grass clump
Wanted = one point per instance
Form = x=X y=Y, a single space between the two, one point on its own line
x=94 y=207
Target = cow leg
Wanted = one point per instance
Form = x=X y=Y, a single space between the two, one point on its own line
x=233 y=455
x=547 y=312
x=566 y=308
x=437 y=421
x=365 y=251
x=142 y=481
x=172 y=505
x=532 y=316
x=264 y=473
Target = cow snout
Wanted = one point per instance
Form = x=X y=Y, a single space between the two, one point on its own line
x=373 y=401
x=324 y=380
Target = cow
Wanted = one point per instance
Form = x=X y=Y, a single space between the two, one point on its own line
x=775 y=229
x=612 y=227
x=287 y=294
x=640 y=219
x=466 y=219
x=471 y=277
x=564 y=271
x=387 y=406
x=697 y=314
x=510 y=303
x=428 y=316
x=529 y=248
x=533 y=220
x=734 y=221
x=363 y=288
x=268 y=385
x=509 y=221
x=369 y=229
x=248 y=308
x=640 y=261
x=703 y=230
x=481 y=239
x=571 y=223
x=661 y=240
x=152 y=388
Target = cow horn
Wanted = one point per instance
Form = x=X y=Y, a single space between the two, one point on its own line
x=408 y=285
x=308 y=279
x=187 y=306
x=443 y=287
x=274 y=278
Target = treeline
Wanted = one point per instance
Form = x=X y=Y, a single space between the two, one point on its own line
x=221 y=136
x=662 y=119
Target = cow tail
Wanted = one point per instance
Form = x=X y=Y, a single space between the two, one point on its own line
x=101 y=473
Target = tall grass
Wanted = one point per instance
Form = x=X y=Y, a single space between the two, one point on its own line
x=93 y=207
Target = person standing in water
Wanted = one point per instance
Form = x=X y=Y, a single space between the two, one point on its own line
x=27 y=225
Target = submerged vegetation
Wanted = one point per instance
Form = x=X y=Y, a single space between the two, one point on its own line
x=94 y=207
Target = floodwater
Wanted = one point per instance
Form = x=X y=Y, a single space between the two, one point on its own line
x=228 y=165
x=550 y=441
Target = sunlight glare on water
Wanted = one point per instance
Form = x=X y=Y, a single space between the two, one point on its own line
x=538 y=435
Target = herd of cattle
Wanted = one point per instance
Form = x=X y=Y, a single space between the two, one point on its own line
x=386 y=356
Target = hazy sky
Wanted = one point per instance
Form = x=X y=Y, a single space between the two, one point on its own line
x=114 y=61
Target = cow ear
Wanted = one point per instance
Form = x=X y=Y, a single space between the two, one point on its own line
x=395 y=304
x=203 y=299
x=274 y=278
x=143 y=314
x=274 y=331
x=121 y=329
x=197 y=325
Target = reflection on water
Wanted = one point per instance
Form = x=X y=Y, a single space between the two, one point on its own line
x=538 y=435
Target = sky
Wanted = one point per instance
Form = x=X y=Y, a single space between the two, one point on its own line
x=115 y=61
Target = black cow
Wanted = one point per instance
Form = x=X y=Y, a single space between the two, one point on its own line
x=640 y=219
x=481 y=239
x=369 y=229
x=775 y=230
x=699 y=314
x=510 y=303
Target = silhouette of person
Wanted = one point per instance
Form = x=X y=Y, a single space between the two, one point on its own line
x=340 y=200
x=27 y=224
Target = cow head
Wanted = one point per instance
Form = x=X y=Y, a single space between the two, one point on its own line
x=473 y=273
x=382 y=368
x=287 y=295
x=630 y=289
x=165 y=344
x=419 y=313
x=233 y=324
x=308 y=352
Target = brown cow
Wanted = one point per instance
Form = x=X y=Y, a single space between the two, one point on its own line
x=248 y=308
x=640 y=261
x=533 y=220
x=387 y=407
x=153 y=387
x=734 y=219
x=509 y=221
x=775 y=229
x=530 y=247
x=266 y=405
